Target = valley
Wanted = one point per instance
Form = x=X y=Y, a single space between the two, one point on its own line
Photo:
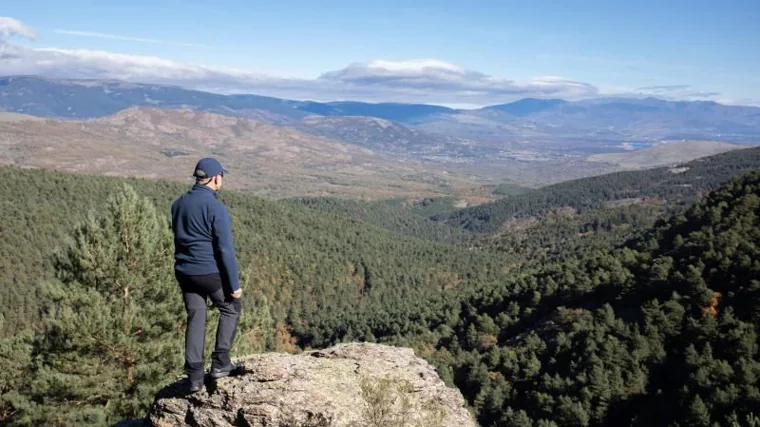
x=585 y=263
x=530 y=142
x=580 y=286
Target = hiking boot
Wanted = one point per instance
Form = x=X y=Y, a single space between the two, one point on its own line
x=224 y=371
x=196 y=386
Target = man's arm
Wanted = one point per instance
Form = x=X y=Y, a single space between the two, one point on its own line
x=224 y=248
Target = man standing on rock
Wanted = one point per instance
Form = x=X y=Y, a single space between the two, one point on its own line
x=205 y=267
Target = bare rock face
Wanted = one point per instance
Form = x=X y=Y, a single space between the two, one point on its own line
x=349 y=385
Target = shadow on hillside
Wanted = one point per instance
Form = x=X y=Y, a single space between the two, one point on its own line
x=178 y=389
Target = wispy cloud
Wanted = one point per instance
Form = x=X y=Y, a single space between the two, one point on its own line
x=664 y=88
x=684 y=92
x=97 y=35
x=10 y=27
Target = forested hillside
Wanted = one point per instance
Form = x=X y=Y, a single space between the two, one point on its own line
x=606 y=317
x=681 y=184
x=303 y=260
x=303 y=264
x=400 y=216
x=660 y=331
x=560 y=235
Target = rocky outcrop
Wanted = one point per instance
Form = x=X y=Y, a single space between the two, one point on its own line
x=349 y=385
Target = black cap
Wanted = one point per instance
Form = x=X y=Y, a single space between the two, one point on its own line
x=208 y=167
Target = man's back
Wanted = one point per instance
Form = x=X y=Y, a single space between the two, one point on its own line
x=203 y=236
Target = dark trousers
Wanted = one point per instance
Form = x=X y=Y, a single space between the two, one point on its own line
x=195 y=291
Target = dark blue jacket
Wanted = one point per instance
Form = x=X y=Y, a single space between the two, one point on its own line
x=203 y=236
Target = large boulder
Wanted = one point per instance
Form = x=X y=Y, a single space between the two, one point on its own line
x=351 y=385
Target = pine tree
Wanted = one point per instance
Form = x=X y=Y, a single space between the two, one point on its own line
x=113 y=323
x=699 y=414
x=15 y=357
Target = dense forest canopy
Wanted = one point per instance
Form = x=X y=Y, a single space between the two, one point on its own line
x=400 y=216
x=303 y=260
x=642 y=312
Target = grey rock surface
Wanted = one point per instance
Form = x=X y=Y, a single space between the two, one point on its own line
x=348 y=385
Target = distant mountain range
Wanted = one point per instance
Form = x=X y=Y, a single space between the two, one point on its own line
x=648 y=118
x=549 y=133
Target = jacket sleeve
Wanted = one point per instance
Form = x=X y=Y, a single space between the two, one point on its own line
x=224 y=250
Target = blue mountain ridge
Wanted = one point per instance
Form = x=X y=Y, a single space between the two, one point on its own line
x=621 y=119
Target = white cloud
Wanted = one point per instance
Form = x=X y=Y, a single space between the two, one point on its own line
x=415 y=65
x=677 y=92
x=435 y=75
x=388 y=71
x=10 y=27
x=423 y=80
x=740 y=102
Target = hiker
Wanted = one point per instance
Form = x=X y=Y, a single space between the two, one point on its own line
x=205 y=267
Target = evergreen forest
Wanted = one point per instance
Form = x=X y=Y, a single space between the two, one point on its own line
x=630 y=299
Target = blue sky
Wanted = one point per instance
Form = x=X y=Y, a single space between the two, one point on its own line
x=445 y=52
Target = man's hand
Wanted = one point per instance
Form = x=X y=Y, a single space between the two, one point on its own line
x=237 y=294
